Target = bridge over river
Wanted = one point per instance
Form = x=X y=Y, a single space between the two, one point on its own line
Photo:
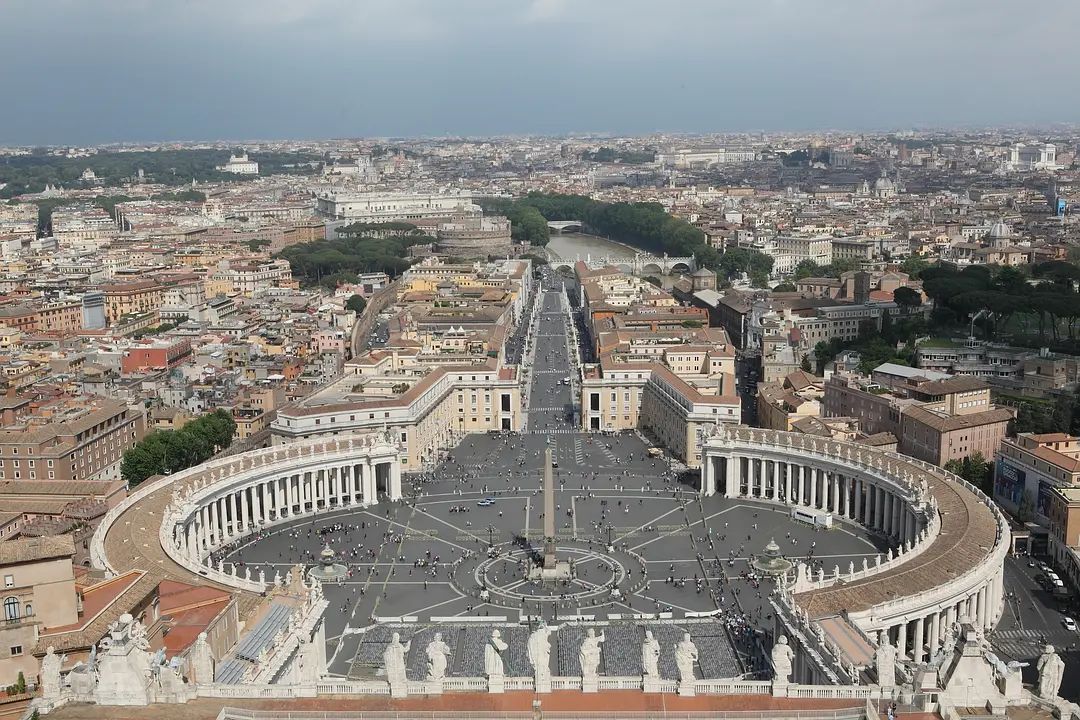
x=642 y=264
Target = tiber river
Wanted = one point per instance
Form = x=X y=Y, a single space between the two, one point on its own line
x=569 y=246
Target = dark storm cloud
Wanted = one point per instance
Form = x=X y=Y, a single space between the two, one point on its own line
x=87 y=71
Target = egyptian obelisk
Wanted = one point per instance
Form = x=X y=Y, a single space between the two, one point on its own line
x=549 y=513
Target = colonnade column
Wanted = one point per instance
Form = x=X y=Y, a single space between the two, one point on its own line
x=257 y=518
x=834 y=481
x=213 y=522
x=230 y=508
x=901 y=640
x=734 y=476
x=369 y=483
x=776 y=480
x=918 y=641
x=244 y=521
x=345 y=483
x=813 y=487
x=394 y=486
x=935 y=631
x=788 y=471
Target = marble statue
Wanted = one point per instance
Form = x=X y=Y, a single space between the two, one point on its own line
x=885 y=661
x=686 y=654
x=589 y=653
x=1050 y=667
x=394 y=660
x=650 y=656
x=201 y=660
x=782 y=658
x=493 y=662
x=539 y=651
x=50 y=674
x=437 y=653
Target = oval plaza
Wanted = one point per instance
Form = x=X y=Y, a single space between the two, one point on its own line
x=789 y=568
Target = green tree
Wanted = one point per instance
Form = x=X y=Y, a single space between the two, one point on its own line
x=907 y=297
x=356 y=303
x=805 y=364
x=785 y=287
x=805 y=269
x=914 y=267
x=169 y=451
x=975 y=469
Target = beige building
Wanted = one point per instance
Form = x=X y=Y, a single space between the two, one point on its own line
x=69 y=439
x=426 y=411
x=133 y=298
x=1030 y=466
x=649 y=395
x=934 y=420
x=937 y=436
x=781 y=404
x=39 y=593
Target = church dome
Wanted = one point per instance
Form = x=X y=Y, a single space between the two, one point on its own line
x=1000 y=230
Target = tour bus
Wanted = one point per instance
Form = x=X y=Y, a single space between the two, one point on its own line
x=817 y=518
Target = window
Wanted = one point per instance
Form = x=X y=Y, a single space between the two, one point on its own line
x=29 y=610
x=16 y=650
x=9 y=581
x=11 y=608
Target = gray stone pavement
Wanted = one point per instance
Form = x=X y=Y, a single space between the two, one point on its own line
x=607 y=489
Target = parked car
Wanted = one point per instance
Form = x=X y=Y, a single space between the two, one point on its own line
x=1069 y=624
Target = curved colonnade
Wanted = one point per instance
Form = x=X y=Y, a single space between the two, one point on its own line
x=224 y=500
x=947 y=539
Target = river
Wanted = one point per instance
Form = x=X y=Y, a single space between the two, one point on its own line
x=569 y=246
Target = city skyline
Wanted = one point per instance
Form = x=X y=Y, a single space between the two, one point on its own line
x=136 y=70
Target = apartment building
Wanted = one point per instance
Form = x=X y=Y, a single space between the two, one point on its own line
x=934 y=420
x=155 y=354
x=38 y=594
x=65 y=439
x=132 y=298
x=1029 y=467
x=248 y=278
x=1063 y=538
x=781 y=404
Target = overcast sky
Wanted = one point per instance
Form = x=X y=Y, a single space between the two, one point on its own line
x=96 y=71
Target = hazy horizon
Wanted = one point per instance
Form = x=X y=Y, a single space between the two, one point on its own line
x=132 y=71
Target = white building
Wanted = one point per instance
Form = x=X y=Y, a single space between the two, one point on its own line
x=1032 y=157
x=391 y=207
x=240 y=165
x=704 y=157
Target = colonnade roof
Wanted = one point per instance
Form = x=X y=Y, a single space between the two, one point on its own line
x=965 y=541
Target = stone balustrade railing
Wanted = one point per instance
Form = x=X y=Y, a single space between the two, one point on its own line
x=825 y=654
x=480 y=684
x=925 y=539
